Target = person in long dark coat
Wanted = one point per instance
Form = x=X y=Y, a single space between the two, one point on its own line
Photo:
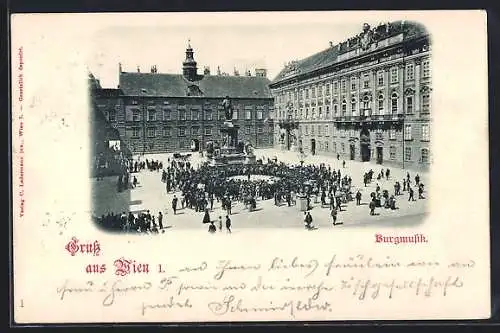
x=228 y=224
x=160 y=220
x=174 y=204
x=206 y=217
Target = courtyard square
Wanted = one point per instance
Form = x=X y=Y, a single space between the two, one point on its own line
x=150 y=194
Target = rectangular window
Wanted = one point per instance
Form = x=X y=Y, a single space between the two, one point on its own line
x=327 y=111
x=344 y=108
x=195 y=131
x=259 y=114
x=342 y=146
x=260 y=130
x=320 y=91
x=335 y=87
x=182 y=131
x=151 y=115
x=182 y=115
x=166 y=114
x=135 y=132
x=136 y=115
x=392 y=153
x=353 y=83
x=426 y=69
x=410 y=72
x=248 y=115
x=407 y=153
x=167 y=131
x=394 y=75
x=366 y=81
x=307 y=130
x=327 y=130
x=312 y=129
x=392 y=134
x=380 y=78
x=409 y=104
x=208 y=115
x=208 y=130
x=313 y=92
x=353 y=107
x=343 y=85
x=424 y=155
x=327 y=89
x=335 y=109
x=408 y=132
x=195 y=115
x=151 y=132
x=247 y=130
x=425 y=132
x=326 y=145
x=425 y=103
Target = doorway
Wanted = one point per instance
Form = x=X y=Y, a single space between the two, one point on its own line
x=353 y=152
x=313 y=146
x=195 y=145
x=380 y=155
x=364 y=145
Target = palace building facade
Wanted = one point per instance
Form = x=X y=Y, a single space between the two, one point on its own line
x=157 y=113
x=365 y=99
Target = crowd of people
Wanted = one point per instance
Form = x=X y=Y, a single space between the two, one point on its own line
x=200 y=188
x=142 y=222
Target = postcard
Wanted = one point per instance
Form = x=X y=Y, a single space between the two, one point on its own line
x=257 y=166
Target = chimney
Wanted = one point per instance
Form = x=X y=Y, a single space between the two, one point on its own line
x=218 y=70
x=331 y=44
x=236 y=73
x=261 y=72
x=120 y=67
x=248 y=73
x=138 y=69
x=206 y=70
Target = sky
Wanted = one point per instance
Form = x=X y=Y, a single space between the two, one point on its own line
x=229 y=40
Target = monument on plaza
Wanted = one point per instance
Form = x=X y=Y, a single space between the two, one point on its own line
x=228 y=153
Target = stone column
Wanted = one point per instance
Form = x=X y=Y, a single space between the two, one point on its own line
x=416 y=101
x=387 y=78
x=401 y=94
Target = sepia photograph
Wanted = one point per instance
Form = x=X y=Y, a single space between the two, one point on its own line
x=208 y=135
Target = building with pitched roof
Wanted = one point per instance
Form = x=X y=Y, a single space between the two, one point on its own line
x=157 y=112
x=367 y=98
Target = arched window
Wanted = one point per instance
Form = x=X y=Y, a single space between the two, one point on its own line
x=353 y=106
x=366 y=105
x=380 y=104
x=394 y=103
x=344 y=107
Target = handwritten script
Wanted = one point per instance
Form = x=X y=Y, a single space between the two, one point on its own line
x=288 y=286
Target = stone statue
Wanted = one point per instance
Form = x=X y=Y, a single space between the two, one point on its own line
x=228 y=108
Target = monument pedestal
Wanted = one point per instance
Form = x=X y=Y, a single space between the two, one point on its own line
x=302 y=203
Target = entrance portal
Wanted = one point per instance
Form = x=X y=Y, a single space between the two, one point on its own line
x=380 y=155
x=313 y=146
x=195 y=145
x=353 y=151
x=364 y=145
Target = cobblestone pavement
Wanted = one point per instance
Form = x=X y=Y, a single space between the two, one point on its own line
x=150 y=194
